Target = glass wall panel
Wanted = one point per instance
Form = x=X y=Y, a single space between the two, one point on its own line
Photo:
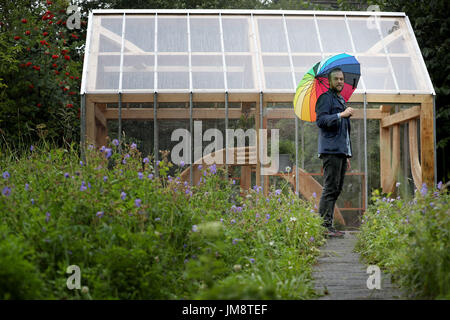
x=138 y=72
x=302 y=35
x=140 y=132
x=334 y=35
x=172 y=34
x=205 y=34
x=277 y=72
x=407 y=72
x=140 y=33
x=394 y=33
x=271 y=34
x=173 y=71
x=207 y=72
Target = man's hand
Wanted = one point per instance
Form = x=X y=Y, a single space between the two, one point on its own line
x=347 y=112
x=348 y=164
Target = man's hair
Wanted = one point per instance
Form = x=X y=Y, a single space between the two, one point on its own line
x=337 y=69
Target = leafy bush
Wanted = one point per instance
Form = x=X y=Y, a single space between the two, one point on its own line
x=136 y=236
x=411 y=241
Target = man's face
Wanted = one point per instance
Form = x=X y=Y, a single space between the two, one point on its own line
x=337 y=81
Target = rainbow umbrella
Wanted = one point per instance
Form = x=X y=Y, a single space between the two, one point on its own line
x=315 y=82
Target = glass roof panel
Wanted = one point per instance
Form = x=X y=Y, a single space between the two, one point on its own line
x=236 y=34
x=302 y=34
x=333 y=35
x=385 y=46
x=205 y=34
x=172 y=34
x=140 y=33
x=271 y=34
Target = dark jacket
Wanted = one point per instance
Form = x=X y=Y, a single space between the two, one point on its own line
x=332 y=129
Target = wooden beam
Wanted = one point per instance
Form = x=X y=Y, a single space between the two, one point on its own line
x=427 y=142
x=416 y=170
x=99 y=116
x=400 y=117
x=172 y=113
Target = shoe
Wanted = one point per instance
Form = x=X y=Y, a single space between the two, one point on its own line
x=337 y=232
x=330 y=233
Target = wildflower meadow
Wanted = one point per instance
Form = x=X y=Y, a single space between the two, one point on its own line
x=134 y=235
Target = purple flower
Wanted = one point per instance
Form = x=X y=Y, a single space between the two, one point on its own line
x=311 y=239
x=146 y=160
x=105 y=178
x=439 y=185
x=233 y=221
x=157 y=219
x=169 y=178
x=47 y=216
x=267 y=216
x=133 y=146
x=66 y=175
x=6 y=191
x=108 y=152
x=91 y=146
x=200 y=167
x=278 y=192
x=123 y=195
x=100 y=214
x=124 y=161
x=194 y=228
x=239 y=209
x=6 y=175
x=138 y=202
x=279 y=220
x=32 y=201
x=83 y=186
x=103 y=148
x=213 y=169
x=424 y=189
x=27 y=186
x=140 y=175
x=233 y=181
x=252 y=260
x=115 y=142
x=314 y=195
x=127 y=156
x=257 y=215
x=31 y=148
x=235 y=241
x=150 y=176
x=182 y=163
x=81 y=163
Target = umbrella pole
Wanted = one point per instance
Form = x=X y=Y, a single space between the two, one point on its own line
x=297 y=181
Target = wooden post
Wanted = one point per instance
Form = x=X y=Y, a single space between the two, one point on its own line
x=427 y=141
x=90 y=122
x=385 y=151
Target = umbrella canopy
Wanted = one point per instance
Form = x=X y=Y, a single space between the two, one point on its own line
x=315 y=82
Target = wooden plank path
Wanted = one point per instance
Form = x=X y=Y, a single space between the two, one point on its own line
x=339 y=274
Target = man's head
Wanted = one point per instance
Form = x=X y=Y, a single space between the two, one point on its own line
x=336 y=79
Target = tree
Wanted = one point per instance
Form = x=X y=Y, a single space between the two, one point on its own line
x=40 y=67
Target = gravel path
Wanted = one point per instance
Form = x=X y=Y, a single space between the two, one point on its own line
x=339 y=275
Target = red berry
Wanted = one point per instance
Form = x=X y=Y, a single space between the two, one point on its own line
x=56 y=72
x=49 y=2
x=16 y=38
x=54 y=65
x=45 y=33
x=27 y=32
x=28 y=64
x=69 y=105
x=39 y=105
x=67 y=57
x=67 y=73
x=24 y=20
x=36 y=68
x=31 y=86
x=55 y=56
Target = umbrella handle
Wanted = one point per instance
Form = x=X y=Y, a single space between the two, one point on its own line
x=354 y=83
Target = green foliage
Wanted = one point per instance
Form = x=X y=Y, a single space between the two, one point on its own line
x=410 y=239
x=135 y=236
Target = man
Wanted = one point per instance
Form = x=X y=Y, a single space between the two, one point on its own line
x=333 y=120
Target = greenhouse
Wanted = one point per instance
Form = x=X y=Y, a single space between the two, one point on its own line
x=148 y=73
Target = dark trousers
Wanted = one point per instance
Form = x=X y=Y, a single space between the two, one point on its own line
x=334 y=168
